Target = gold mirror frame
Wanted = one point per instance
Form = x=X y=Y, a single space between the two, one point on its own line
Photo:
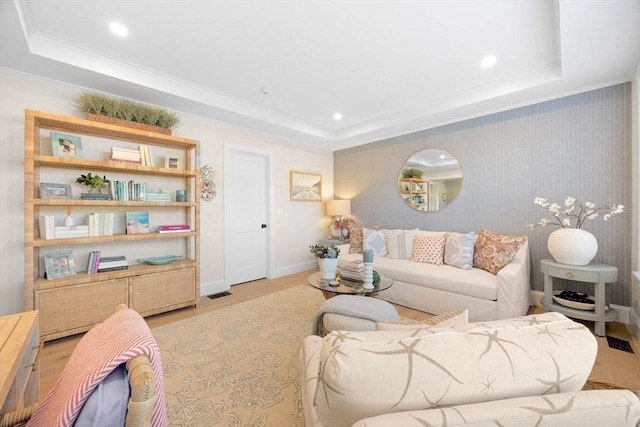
x=430 y=179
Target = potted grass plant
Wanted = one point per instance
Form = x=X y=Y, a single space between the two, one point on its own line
x=124 y=112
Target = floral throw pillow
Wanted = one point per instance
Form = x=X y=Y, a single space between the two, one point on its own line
x=494 y=251
x=429 y=249
x=355 y=240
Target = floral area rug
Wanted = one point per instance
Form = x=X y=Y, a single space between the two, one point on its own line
x=238 y=366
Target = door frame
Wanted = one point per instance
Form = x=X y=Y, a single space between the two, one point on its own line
x=229 y=149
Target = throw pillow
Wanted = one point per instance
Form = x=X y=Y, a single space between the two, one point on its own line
x=458 y=250
x=429 y=249
x=493 y=251
x=451 y=318
x=107 y=404
x=375 y=241
x=355 y=240
x=396 y=244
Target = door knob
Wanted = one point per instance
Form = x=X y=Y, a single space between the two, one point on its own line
x=264 y=226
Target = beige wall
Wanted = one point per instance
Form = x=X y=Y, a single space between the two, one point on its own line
x=294 y=225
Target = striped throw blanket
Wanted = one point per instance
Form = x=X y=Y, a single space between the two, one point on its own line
x=119 y=338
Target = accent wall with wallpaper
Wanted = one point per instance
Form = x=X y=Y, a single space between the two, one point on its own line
x=579 y=146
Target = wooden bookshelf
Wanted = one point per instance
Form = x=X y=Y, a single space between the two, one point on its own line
x=74 y=304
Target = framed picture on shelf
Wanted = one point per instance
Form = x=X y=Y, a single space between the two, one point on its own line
x=64 y=145
x=137 y=222
x=171 y=162
x=54 y=191
x=305 y=187
x=59 y=265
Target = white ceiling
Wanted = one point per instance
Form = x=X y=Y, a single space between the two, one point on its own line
x=390 y=67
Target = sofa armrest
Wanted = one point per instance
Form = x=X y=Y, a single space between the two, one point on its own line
x=583 y=408
x=514 y=289
x=308 y=367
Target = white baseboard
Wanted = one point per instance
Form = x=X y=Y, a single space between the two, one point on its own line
x=623 y=311
x=211 y=288
x=293 y=269
x=634 y=322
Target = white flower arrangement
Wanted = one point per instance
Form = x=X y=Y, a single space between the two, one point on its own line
x=574 y=211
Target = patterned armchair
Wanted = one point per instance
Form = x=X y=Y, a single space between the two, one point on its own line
x=529 y=369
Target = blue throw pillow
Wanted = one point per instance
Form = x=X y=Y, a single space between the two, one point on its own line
x=107 y=405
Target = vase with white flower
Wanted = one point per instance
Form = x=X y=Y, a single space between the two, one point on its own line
x=327 y=260
x=571 y=244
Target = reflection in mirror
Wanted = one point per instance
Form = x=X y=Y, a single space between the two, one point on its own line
x=430 y=180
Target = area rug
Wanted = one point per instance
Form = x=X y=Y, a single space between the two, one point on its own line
x=238 y=366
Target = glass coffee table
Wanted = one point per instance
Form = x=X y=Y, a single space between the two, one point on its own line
x=347 y=287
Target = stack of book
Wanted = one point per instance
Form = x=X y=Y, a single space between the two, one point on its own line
x=158 y=196
x=101 y=224
x=47 y=225
x=95 y=196
x=352 y=271
x=112 y=263
x=94 y=261
x=126 y=155
x=141 y=156
x=129 y=190
x=177 y=228
x=70 y=232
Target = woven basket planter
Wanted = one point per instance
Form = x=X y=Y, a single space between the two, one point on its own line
x=126 y=123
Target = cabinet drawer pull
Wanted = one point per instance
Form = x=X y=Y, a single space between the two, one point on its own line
x=570 y=275
x=34 y=365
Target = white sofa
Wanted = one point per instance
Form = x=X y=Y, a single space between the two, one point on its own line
x=441 y=288
x=523 y=371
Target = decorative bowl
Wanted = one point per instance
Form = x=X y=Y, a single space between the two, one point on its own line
x=574 y=304
x=160 y=260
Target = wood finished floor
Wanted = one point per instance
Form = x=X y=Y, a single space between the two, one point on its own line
x=612 y=366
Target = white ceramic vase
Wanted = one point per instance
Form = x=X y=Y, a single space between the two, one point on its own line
x=328 y=267
x=572 y=246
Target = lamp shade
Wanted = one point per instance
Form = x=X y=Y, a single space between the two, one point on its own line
x=339 y=207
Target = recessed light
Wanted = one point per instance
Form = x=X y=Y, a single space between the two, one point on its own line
x=337 y=116
x=118 y=29
x=442 y=156
x=488 y=61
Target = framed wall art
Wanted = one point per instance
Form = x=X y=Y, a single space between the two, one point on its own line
x=63 y=145
x=171 y=162
x=49 y=190
x=305 y=186
x=59 y=265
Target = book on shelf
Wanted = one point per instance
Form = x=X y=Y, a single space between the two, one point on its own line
x=174 y=231
x=112 y=264
x=114 y=258
x=101 y=224
x=115 y=159
x=103 y=270
x=95 y=196
x=92 y=263
x=174 y=227
x=46 y=224
x=67 y=232
x=158 y=197
x=125 y=153
x=129 y=190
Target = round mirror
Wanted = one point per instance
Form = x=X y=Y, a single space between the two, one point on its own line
x=430 y=180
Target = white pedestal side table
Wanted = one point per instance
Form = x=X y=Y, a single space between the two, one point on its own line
x=599 y=274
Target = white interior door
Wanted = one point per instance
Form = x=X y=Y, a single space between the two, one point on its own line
x=246 y=211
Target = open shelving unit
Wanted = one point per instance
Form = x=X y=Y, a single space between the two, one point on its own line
x=74 y=304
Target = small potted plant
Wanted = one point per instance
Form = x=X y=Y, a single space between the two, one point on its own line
x=95 y=182
x=327 y=260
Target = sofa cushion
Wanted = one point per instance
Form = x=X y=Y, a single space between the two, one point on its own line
x=364 y=374
x=458 y=250
x=400 y=243
x=355 y=240
x=429 y=249
x=451 y=318
x=374 y=240
x=493 y=251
